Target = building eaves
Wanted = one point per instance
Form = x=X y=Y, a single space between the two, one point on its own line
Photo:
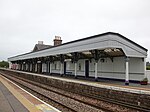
x=103 y=34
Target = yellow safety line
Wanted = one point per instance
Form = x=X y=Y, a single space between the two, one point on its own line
x=20 y=97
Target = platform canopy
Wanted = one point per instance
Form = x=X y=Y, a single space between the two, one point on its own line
x=108 y=44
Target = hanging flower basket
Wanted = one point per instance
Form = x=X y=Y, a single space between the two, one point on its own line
x=144 y=81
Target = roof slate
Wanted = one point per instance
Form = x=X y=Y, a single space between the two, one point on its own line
x=39 y=47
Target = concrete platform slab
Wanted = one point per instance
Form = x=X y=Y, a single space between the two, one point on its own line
x=8 y=102
x=14 y=99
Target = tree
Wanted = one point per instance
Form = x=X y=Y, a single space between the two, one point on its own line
x=4 y=64
x=147 y=66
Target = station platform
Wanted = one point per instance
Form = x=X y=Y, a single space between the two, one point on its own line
x=15 y=99
x=102 y=83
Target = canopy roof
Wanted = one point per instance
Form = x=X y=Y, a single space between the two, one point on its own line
x=112 y=43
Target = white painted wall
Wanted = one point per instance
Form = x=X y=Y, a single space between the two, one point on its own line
x=116 y=69
x=44 y=67
x=10 y=65
x=22 y=66
x=148 y=75
x=56 y=67
x=30 y=67
x=136 y=69
x=70 y=67
x=17 y=66
x=36 y=67
x=26 y=66
x=106 y=69
x=136 y=65
x=81 y=67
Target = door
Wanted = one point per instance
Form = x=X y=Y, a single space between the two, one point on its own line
x=39 y=67
x=47 y=67
x=33 y=67
x=86 y=68
x=24 y=67
x=64 y=68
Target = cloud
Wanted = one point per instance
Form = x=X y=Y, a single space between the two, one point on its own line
x=23 y=23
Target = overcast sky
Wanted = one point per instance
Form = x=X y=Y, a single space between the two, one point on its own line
x=25 y=22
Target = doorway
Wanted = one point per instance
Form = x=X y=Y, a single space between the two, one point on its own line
x=64 y=68
x=86 y=68
x=39 y=67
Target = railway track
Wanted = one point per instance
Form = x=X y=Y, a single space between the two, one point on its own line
x=23 y=82
x=46 y=98
x=43 y=93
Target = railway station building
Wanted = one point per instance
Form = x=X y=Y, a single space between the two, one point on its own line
x=105 y=56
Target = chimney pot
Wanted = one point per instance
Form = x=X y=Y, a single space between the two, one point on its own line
x=40 y=42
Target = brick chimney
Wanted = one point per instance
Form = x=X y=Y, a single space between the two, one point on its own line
x=57 y=40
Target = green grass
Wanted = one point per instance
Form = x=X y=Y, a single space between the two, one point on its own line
x=148 y=68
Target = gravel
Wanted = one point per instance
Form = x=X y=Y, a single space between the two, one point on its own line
x=69 y=102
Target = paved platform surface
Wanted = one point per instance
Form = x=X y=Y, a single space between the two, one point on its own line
x=8 y=102
x=15 y=99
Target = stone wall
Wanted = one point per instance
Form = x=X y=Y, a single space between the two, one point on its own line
x=90 y=91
